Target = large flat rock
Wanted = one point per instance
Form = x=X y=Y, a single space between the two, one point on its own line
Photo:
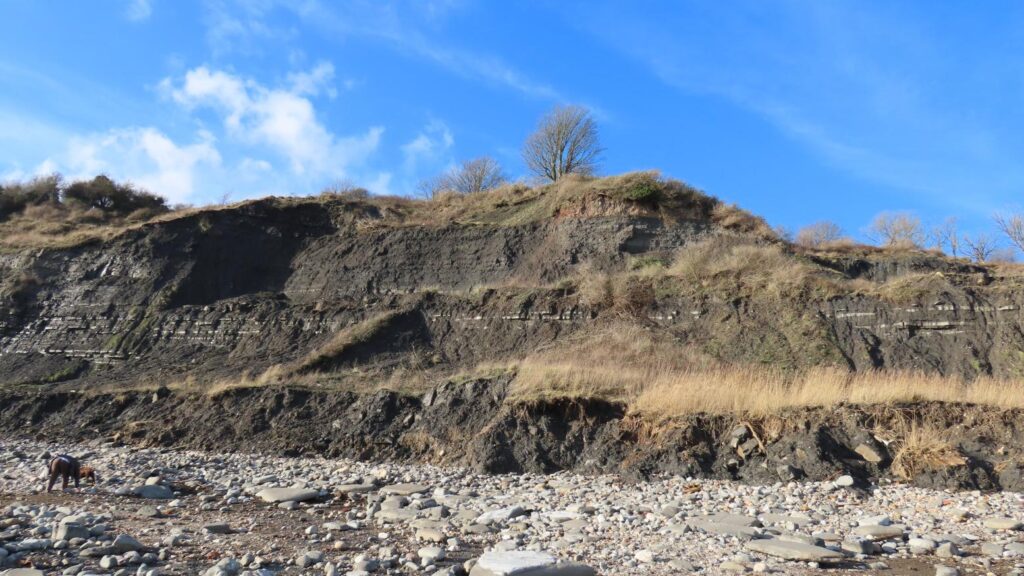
x=523 y=563
x=712 y=525
x=154 y=491
x=1002 y=523
x=405 y=489
x=355 y=488
x=793 y=550
x=287 y=494
x=877 y=532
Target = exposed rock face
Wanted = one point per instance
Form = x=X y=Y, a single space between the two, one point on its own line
x=474 y=424
x=236 y=290
x=246 y=288
x=222 y=293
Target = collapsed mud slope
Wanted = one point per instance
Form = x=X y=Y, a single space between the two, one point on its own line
x=472 y=423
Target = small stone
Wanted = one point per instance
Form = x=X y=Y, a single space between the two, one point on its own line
x=868 y=453
x=845 y=481
x=921 y=545
x=309 y=558
x=149 y=512
x=645 y=556
x=430 y=535
x=992 y=549
x=1002 y=524
x=431 y=553
x=71 y=530
x=125 y=543
x=219 y=528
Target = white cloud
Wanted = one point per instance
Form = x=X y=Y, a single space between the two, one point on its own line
x=381 y=184
x=284 y=120
x=144 y=156
x=313 y=81
x=254 y=165
x=139 y=10
x=46 y=167
x=430 y=145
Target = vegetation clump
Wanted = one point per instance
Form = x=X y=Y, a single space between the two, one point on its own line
x=45 y=211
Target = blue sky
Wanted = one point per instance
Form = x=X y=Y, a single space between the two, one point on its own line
x=799 y=111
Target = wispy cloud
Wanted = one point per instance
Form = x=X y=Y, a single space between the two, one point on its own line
x=431 y=145
x=402 y=25
x=846 y=82
x=139 y=10
x=240 y=26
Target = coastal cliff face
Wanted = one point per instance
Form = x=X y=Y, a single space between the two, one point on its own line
x=246 y=288
x=378 y=329
x=241 y=289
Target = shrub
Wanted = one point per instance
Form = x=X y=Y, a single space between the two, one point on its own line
x=112 y=197
x=15 y=197
x=345 y=190
x=819 y=234
x=901 y=230
x=735 y=219
x=643 y=192
x=924 y=448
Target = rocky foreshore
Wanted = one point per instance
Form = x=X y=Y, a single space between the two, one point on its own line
x=168 y=512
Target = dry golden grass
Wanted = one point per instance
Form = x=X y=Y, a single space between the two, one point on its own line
x=611 y=363
x=924 y=448
x=735 y=219
x=731 y=266
x=635 y=193
x=911 y=288
x=625 y=293
x=343 y=341
x=762 y=391
x=659 y=379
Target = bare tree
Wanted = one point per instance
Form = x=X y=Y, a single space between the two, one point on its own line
x=981 y=247
x=565 y=142
x=897 y=230
x=1012 y=226
x=946 y=238
x=476 y=175
x=819 y=234
x=430 y=186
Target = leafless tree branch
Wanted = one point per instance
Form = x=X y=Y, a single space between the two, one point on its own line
x=565 y=142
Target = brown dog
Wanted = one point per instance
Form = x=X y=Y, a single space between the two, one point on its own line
x=88 y=473
x=69 y=467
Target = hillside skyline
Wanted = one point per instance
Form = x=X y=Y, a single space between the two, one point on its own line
x=204 y=100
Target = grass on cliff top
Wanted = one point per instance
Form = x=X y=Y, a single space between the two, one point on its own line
x=660 y=379
x=631 y=194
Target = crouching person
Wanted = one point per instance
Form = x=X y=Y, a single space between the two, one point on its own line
x=68 y=467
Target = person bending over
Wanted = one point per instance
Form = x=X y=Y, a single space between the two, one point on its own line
x=68 y=467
